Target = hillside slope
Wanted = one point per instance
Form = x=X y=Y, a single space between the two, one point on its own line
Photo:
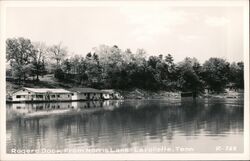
x=48 y=81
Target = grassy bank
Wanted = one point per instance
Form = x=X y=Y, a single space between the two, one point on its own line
x=48 y=81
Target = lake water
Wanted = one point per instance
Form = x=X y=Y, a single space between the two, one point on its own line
x=159 y=126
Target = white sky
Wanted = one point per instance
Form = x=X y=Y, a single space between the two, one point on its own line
x=200 y=32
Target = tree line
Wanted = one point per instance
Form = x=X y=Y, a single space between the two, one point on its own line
x=111 y=67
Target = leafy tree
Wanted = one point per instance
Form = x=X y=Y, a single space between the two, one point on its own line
x=236 y=76
x=80 y=66
x=59 y=74
x=38 y=60
x=67 y=66
x=169 y=73
x=58 y=53
x=240 y=75
x=19 y=51
x=75 y=62
x=215 y=73
x=189 y=79
x=93 y=70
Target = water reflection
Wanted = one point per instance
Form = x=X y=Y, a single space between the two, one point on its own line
x=202 y=124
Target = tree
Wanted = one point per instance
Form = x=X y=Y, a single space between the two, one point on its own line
x=240 y=75
x=169 y=60
x=189 y=79
x=169 y=75
x=58 y=53
x=164 y=72
x=236 y=76
x=59 y=74
x=75 y=62
x=38 y=60
x=67 y=66
x=109 y=65
x=19 y=51
x=93 y=70
x=215 y=73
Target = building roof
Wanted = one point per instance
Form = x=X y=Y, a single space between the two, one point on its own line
x=110 y=91
x=86 y=90
x=45 y=90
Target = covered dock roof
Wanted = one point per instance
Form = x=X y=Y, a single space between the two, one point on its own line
x=45 y=90
x=86 y=90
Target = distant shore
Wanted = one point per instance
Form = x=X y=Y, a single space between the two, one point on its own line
x=136 y=93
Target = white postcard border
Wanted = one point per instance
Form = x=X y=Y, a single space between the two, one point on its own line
x=129 y=156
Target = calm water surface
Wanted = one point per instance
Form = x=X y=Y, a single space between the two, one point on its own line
x=197 y=125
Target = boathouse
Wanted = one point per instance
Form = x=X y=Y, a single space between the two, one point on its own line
x=86 y=94
x=41 y=94
x=111 y=94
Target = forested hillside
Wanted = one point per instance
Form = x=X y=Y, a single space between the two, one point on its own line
x=111 y=67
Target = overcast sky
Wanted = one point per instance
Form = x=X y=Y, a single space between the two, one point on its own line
x=200 y=32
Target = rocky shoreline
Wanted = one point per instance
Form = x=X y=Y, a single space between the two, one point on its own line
x=143 y=94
